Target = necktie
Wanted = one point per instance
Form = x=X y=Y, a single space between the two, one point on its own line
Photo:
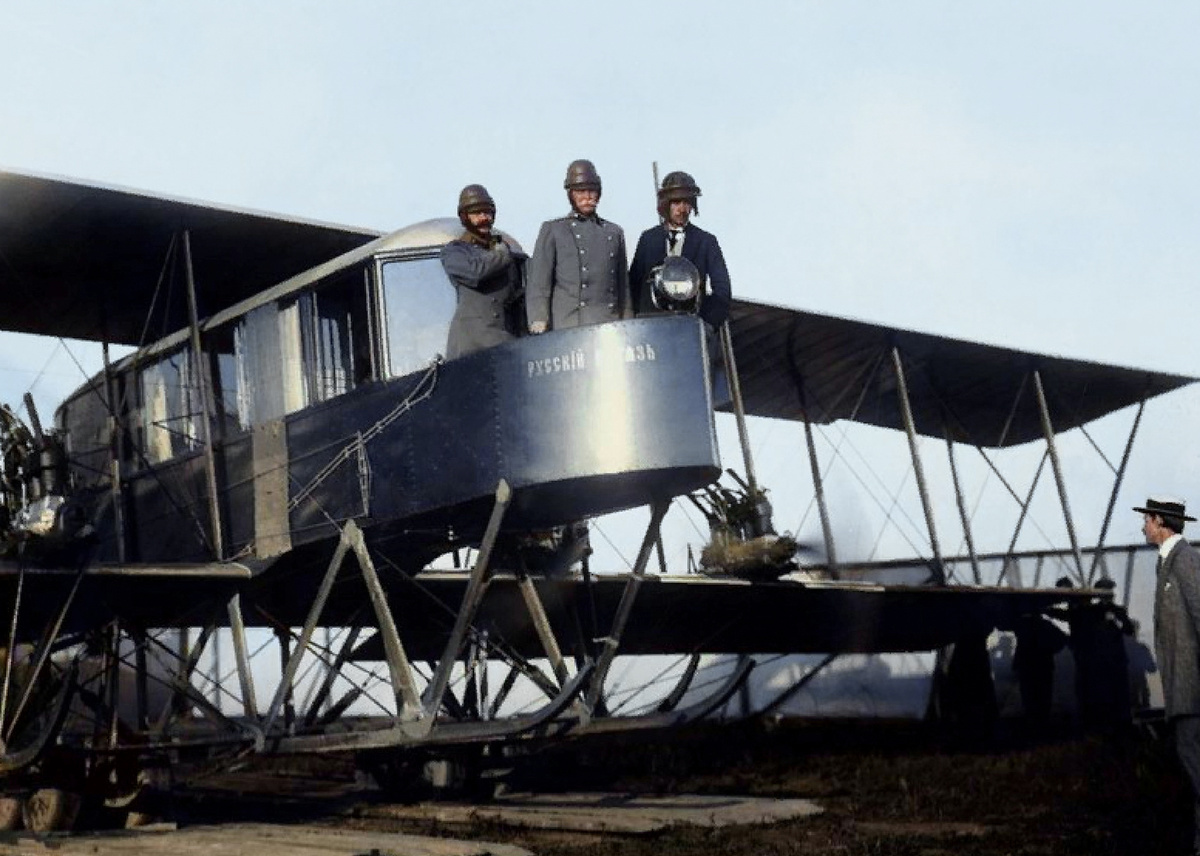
x=673 y=238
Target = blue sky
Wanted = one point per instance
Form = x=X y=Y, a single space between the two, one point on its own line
x=1018 y=173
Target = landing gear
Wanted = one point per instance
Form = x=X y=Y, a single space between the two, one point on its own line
x=447 y=685
x=410 y=777
x=11 y=808
x=89 y=802
x=136 y=795
x=51 y=810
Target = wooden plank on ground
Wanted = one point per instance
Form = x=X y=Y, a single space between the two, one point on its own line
x=605 y=812
x=248 y=840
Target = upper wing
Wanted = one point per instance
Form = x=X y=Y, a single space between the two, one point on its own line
x=92 y=262
x=789 y=361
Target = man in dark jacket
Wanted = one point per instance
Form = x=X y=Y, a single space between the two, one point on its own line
x=486 y=272
x=578 y=275
x=676 y=235
x=1177 y=633
x=1038 y=640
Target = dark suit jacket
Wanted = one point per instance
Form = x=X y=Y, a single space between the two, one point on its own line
x=1177 y=629
x=702 y=250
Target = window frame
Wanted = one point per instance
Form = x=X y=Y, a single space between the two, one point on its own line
x=383 y=343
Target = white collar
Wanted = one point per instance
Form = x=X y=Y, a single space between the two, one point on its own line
x=1164 y=549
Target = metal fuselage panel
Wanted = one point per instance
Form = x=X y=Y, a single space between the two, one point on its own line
x=580 y=422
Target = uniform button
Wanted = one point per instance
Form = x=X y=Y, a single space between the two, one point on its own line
x=585 y=269
x=583 y=285
x=582 y=251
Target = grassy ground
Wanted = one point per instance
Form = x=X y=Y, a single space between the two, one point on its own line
x=888 y=789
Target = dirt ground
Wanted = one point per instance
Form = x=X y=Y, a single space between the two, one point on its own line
x=888 y=788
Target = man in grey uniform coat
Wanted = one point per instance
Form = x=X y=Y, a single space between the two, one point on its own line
x=1177 y=634
x=486 y=273
x=578 y=274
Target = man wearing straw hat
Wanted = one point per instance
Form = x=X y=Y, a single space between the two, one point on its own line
x=1177 y=633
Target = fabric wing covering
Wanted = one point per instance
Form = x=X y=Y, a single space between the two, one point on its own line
x=791 y=361
x=87 y=261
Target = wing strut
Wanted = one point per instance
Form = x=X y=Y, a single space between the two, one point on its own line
x=537 y=612
x=241 y=655
x=963 y=516
x=1012 y=544
x=939 y=574
x=41 y=655
x=613 y=640
x=762 y=518
x=1098 y=556
x=210 y=463
x=1048 y=430
x=472 y=598
x=819 y=489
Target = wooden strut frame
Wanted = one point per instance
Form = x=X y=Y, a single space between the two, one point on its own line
x=573 y=701
x=435 y=718
x=429 y=718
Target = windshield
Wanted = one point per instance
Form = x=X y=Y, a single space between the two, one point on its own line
x=418 y=303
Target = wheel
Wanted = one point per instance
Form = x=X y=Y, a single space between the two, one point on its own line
x=138 y=819
x=10 y=813
x=51 y=810
x=400 y=776
x=152 y=802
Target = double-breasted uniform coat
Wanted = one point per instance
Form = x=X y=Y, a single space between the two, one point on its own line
x=578 y=273
x=488 y=280
x=702 y=250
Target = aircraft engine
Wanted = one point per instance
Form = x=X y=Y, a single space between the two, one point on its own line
x=34 y=508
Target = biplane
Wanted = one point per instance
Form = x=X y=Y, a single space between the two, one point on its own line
x=285 y=452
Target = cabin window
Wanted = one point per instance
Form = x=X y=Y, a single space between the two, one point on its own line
x=170 y=396
x=336 y=346
x=418 y=304
x=270 y=374
x=84 y=425
x=284 y=356
x=228 y=396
